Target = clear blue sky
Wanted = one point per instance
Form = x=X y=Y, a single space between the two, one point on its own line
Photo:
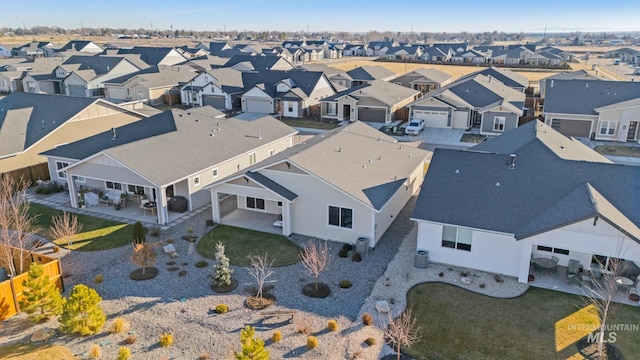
x=331 y=15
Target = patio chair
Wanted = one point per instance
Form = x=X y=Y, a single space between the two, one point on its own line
x=555 y=259
x=574 y=279
x=596 y=273
x=574 y=267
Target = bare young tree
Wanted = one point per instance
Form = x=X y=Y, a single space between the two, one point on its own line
x=65 y=227
x=15 y=223
x=315 y=258
x=260 y=270
x=403 y=331
x=143 y=255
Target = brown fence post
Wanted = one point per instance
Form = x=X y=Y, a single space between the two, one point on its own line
x=14 y=296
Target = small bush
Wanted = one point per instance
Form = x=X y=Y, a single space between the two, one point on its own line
x=131 y=339
x=190 y=230
x=182 y=273
x=170 y=241
x=332 y=325
x=124 y=353
x=201 y=264
x=98 y=279
x=370 y=341
x=173 y=268
x=482 y=286
x=119 y=325
x=498 y=278
x=184 y=263
x=154 y=231
x=356 y=257
x=204 y=356
x=343 y=253
x=312 y=342
x=209 y=222
x=170 y=263
x=367 y=319
x=347 y=247
x=345 y=284
x=95 y=351
x=166 y=340
x=277 y=336
x=441 y=274
x=222 y=308
x=302 y=325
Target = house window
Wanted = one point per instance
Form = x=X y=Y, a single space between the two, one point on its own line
x=279 y=203
x=456 y=238
x=271 y=152
x=290 y=106
x=605 y=262
x=60 y=165
x=553 y=250
x=79 y=179
x=134 y=189
x=252 y=158
x=255 y=203
x=498 y=123
x=196 y=180
x=31 y=86
x=342 y=217
x=215 y=172
x=332 y=109
x=608 y=127
x=113 y=185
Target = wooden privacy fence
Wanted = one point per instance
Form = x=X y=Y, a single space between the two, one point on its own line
x=31 y=173
x=11 y=290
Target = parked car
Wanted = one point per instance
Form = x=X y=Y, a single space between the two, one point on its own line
x=414 y=127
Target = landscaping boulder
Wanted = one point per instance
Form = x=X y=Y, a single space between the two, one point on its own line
x=383 y=306
x=42 y=334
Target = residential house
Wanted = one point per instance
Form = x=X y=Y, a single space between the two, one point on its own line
x=80 y=76
x=507 y=77
x=566 y=75
x=354 y=50
x=364 y=74
x=470 y=56
x=619 y=53
x=509 y=57
x=80 y=46
x=258 y=63
x=10 y=81
x=155 y=55
x=342 y=185
x=190 y=53
x=287 y=93
x=379 y=48
x=173 y=154
x=423 y=79
x=432 y=54
x=34 y=49
x=33 y=123
x=490 y=208
x=603 y=110
x=339 y=78
x=5 y=52
x=567 y=56
x=452 y=48
x=473 y=102
x=375 y=101
x=220 y=88
x=150 y=84
x=411 y=52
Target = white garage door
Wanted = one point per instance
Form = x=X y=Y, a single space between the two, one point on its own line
x=432 y=119
x=259 y=106
x=76 y=90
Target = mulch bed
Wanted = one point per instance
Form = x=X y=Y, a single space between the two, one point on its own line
x=149 y=273
x=322 y=290
x=256 y=303
x=225 y=289
x=589 y=351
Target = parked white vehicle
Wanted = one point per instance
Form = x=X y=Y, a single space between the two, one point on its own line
x=414 y=127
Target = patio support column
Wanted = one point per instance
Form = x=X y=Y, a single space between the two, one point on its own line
x=72 y=192
x=286 y=217
x=215 y=207
x=525 y=262
x=162 y=206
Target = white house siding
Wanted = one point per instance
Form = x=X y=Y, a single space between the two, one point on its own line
x=123 y=68
x=295 y=105
x=387 y=214
x=172 y=58
x=492 y=252
x=255 y=100
x=623 y=117
x=75 y=86
x=310 y=210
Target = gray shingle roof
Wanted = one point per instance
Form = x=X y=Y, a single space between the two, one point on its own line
x=150 y=55
x=508 y=78
x=305 y=80
x=368 y=73
x=26 y=118
x=477 y=190
x=259 y=63
x=271 y=185
x=99 y=64
x=584 y=96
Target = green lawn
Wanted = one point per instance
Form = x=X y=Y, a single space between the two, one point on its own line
x=630 y=151
x=314 y=124
x=242 y=242
x=96 y=233
x=458 y=324
x=28 y=351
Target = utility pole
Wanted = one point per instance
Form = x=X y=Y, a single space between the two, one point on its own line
x=81 y=30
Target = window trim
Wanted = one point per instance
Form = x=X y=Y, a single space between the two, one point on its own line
x=113 y=185
x=341 y=224
x=256 y=203
x=196 y=181
x=609 y=129
x=252 y=158
x=214 y=172
x=58 y=172
x=553 y=250
x=499 y=120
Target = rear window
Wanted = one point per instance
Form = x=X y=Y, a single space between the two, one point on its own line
x=414 y=123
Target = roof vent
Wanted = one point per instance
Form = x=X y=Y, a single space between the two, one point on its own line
x=379 y=157
x=260 y=134
x=497 y=184
x=113 y=133
x=587 y=85
x=364 y=166
x=370 y=161
x=339 y=149
x=551 y=83
x=457 y=171
x=561 y=147
x=511 y=163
